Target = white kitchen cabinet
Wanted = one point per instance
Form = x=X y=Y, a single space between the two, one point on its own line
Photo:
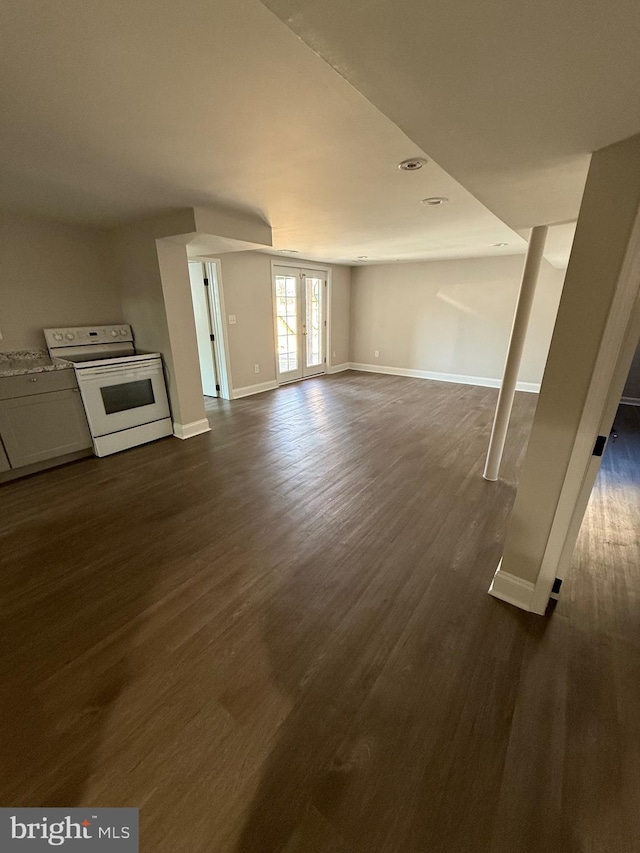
x=41 y=417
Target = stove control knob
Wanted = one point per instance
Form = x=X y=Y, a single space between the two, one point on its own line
x=57 y=336
x=69 y=336
x=114 y=334
x=123 y=332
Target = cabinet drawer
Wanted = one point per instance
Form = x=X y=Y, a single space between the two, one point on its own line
x=43 y=426
x=36 y=383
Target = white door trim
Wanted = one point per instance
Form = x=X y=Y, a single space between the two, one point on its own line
x=323 y=320
x=612 y=366
x=206 y=352
x=216 y=297
x=216 y=305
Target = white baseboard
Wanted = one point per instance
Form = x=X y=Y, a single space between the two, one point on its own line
x=512 y=589
x=531 y=387
x=189 y=430
x=248 y=390
x=630 y=401
x=338 y=368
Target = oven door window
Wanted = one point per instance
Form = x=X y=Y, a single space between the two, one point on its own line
x=129 y=395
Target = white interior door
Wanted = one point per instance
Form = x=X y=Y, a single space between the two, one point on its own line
x=299 y=305
x=218 y=327
x=204 y=331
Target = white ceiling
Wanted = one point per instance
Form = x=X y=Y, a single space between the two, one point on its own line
x=112 y=110
x=510 y=99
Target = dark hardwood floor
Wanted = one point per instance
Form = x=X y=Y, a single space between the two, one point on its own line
x=277 y=637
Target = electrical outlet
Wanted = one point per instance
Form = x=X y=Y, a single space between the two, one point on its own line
x=232 y=319
x=376 y=353
x=256 y=368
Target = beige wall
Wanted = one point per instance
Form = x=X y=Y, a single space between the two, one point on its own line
x=451 y=317
x=632 y=385
x=143 y=307
x=156 y=301
x=246 y=278
x=340 y=315
x=246 y=281
x=53 y=274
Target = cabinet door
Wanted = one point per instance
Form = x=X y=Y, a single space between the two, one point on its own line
x=43 y=426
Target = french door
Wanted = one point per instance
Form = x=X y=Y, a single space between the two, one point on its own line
x=299 y=304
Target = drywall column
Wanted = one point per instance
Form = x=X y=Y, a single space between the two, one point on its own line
x=183 y=378
x=599 y=288
x=514 y=354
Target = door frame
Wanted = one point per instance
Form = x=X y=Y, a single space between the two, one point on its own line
x=301 y=264
x=209 y=330
x=617 y=348
x=215 y=291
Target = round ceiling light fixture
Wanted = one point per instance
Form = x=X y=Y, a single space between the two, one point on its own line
x=434 y=200
x=499 y=245
x=363 y=257
x=412 y=164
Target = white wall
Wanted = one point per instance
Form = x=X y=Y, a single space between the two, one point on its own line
x=451 y=317
x=246 y=279
x=52 y=274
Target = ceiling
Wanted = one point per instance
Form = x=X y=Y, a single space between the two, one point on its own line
x=510 y=99
x=117 y=110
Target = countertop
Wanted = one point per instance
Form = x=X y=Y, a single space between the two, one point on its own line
x=21 y=362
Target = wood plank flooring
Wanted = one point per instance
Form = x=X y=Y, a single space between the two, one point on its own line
x=277 y=637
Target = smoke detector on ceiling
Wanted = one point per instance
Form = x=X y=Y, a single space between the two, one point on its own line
x=412 y=164
x=499 y=245
x=434 y=200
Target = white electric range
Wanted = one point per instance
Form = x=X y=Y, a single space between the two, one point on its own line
x=124 y=393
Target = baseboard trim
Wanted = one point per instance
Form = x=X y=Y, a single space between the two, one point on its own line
x=630 y=401
x=338 y=368
x=248 y=390
x=512 y=589
x=462 y=379
x=189 y=430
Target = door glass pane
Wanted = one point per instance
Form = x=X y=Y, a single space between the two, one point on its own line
x=129 y=395
x=314 y=321
x=287 y=322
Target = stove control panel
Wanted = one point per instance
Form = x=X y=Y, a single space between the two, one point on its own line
x=87 y=335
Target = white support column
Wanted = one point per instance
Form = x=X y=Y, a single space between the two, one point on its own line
x=514 y=355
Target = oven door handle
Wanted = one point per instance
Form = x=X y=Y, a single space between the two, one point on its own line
x=97 y=373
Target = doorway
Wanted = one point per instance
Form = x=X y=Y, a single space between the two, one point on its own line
x=299 y=300
x=206 y=294
x=611 y=494
x=607 y=552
